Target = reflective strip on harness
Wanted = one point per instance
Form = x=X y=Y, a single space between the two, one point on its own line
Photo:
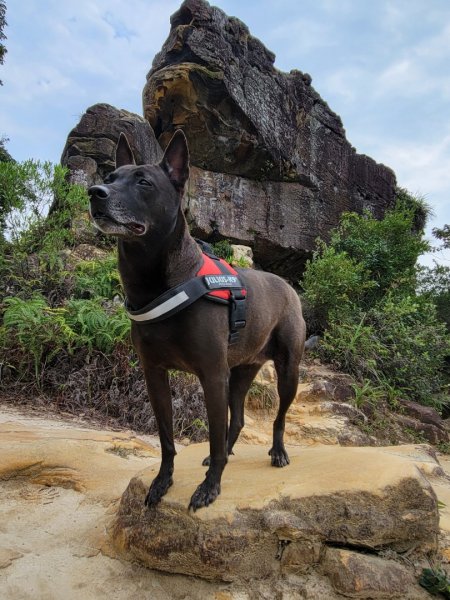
x=161 y=309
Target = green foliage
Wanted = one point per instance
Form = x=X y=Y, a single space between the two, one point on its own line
x=223 y=250
x=367 y=393
x=333 y=282
x=240 y=262
x=40 y=331
x=387 y=249
x=5 y=156
x=435 y=581
x=443 y=235
x=434 y=283
x=399 y=344
x=40 y=321
x=97 y=278
x=28 y=190
x=96 y=327
x=361 y=289
x=32 y=244
x=2 y=34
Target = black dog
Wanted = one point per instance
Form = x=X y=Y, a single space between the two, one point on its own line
x=142 y=206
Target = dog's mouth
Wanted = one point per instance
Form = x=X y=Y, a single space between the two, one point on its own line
x=132 y=226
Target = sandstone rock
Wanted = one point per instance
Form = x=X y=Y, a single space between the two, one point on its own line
x=90 y=148
x=242 y=253
x=424 y=414
x=53 y=541
x=48 y=527
x=267 y=374
x=79 y=459
x=7 y=555
x=293 y=168
x=364 y=497
x=429 y=432
x=81 y=253
x=365 y=576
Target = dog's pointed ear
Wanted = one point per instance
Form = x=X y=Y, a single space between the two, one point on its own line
x=175 y=161
x=124 y=154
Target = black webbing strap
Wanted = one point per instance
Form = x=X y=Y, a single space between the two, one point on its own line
x=236 y=315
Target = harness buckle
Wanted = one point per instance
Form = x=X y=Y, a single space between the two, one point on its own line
x=236 y=315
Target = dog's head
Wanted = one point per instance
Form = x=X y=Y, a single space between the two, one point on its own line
x=136 y=201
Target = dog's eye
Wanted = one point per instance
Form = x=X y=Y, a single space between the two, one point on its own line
x=145 y=182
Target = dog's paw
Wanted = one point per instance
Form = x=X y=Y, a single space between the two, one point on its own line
x=204 y=495
x=279 y=457
x=157 y=490
x=207 y=461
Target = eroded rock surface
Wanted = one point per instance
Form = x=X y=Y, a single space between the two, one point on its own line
x=261 y=140
x=89 y=152
x=269 y=521
x=60 y=486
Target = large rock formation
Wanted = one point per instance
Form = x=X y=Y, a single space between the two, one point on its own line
x=274 y=168
x=90 y=148
x=271 y=164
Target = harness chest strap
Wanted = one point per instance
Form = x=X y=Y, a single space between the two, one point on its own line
x=216 y=280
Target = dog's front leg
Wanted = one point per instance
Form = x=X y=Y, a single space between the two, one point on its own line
x=159 y=392
x=216 y=399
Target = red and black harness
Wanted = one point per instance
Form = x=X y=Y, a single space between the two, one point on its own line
x=216 y=281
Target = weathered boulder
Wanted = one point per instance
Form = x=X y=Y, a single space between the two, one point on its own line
x=365 y=576
x=89 y=152
x=265 y=144
x=268 y=521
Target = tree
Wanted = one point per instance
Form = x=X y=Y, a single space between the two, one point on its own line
x=3 y=24
x=443 y=234
x=361 y=293
x=5 y=156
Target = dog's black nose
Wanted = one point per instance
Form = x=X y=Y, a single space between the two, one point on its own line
x=98 y=191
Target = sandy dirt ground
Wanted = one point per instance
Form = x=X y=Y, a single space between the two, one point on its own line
x=51 y=537
x=60 y=487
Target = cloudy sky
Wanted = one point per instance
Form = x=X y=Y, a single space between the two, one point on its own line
x=382 y=65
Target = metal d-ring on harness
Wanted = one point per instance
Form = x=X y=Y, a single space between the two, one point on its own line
x=216 y=281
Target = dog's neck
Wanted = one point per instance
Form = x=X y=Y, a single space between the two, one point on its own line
x=148 y=271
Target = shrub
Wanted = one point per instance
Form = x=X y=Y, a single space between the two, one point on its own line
x=96 y=327
x=361 y=289
x=223 y=250
x=40 y=331
x=333 y=283
x=397 y=344
x=97 y=278
x=32 y=244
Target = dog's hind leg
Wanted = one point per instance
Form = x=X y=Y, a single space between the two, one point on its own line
x=287 y=368
x=160 y=397
x=241 y=378
x=240 y=381
x=215 y=387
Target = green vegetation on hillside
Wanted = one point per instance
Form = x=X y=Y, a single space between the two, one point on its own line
x=64 y=336
x=380 y=319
